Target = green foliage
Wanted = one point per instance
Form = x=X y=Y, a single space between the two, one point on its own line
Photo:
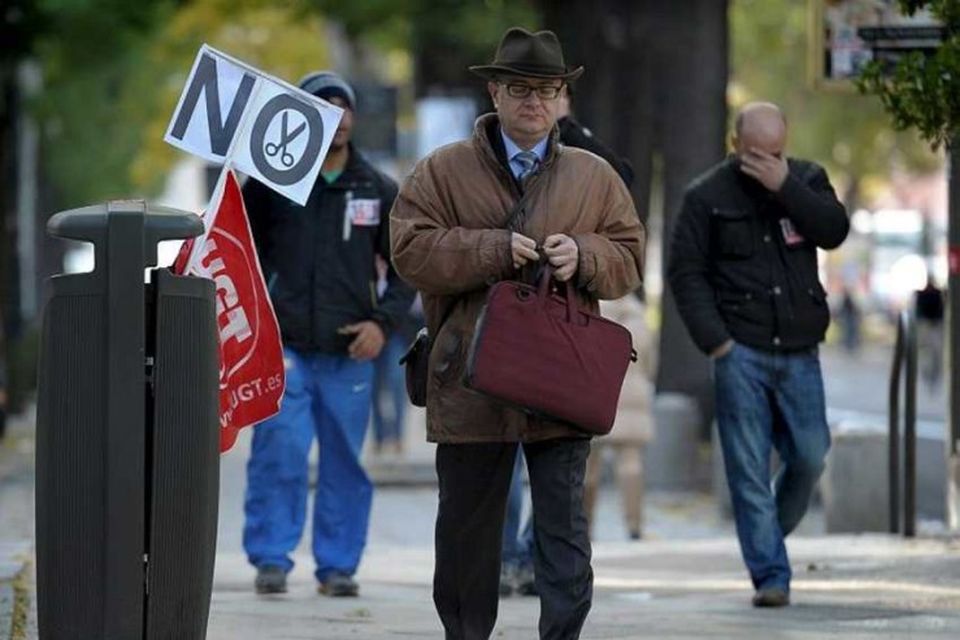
x=841 y=129
x=87 y=49
x=22 y=22
x=922 y=91
x=470 y=27
x=385 y=22
x=279 y=40
x=114 y=70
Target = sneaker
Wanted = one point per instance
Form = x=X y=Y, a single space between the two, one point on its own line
x=270 y=579
x=526 y=580
x=771 y=597
x=339 y=585
x=508 y=579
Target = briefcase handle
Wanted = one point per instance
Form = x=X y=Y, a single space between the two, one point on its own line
x=543 y=292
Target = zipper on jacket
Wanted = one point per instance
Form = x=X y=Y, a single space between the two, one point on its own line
x=347 y=222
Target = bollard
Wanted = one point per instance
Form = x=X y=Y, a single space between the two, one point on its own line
x=127 y=435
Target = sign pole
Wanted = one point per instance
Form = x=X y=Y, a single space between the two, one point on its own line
x=208 y=214
x=953 y=340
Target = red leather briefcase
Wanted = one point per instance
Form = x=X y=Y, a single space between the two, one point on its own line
x=539 y=351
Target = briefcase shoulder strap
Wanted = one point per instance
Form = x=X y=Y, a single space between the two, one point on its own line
x=517 y=214
x=514 y=223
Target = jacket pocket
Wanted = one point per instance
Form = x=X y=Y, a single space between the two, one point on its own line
x=733 y=301
x=734 y=233
x=817 y=313
x=447 y=356
x=818 y=294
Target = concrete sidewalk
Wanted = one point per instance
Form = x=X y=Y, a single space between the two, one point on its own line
x=16 y=528
x=685 y=580
x=845 y=587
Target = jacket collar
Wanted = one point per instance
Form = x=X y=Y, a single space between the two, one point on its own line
x=512 y=148
x=356 y=170
x=486 y=138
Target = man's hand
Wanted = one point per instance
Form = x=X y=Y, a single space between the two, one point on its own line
x=564 y=255
x=767 y=169
x=524 y=250
x=368 y=341
x=722 y=350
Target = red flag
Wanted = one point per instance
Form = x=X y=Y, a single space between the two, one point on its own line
x=251 y=355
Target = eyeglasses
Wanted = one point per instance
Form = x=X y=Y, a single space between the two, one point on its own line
x=520 y=90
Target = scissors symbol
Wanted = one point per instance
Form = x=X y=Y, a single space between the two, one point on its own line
x=280 y=147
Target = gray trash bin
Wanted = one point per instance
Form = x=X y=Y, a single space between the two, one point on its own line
x=127 y=435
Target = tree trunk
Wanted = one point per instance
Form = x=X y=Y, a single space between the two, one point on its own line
x=615 y=95
x=655 y=83
x=440 y=58
x=9 y=300
x=694 y=68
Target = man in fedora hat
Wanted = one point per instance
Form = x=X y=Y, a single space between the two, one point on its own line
x=457 y=229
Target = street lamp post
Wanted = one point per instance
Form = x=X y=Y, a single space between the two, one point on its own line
x=953 y=341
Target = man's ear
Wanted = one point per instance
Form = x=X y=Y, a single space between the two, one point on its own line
x=493 y=88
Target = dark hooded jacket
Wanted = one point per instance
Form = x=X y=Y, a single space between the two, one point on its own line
x=319 y=260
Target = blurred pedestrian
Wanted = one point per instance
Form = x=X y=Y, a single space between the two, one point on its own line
x=516 y=570
x=574 y=134
x=849 y=317
x=319 y=263
x=930 y=340
x=743 y=269
x=389 y=383
x=450 y=241
x=633 y=428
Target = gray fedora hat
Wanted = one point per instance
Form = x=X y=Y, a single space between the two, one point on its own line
x=535 y=55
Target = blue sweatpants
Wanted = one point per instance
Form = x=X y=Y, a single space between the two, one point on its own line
x=328 y=396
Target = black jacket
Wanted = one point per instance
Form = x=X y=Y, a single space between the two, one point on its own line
x=574 y=134
x=736 y=269
x=320 y=280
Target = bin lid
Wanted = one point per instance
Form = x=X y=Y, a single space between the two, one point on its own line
x=93 y=223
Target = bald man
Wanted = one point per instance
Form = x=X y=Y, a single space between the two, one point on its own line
x=743 y=270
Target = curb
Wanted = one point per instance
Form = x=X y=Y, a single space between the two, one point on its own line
x=16 y=536
x=392 y=473
x=402 y=473
x=7 y=609
x=20 y=615
x=14 y=591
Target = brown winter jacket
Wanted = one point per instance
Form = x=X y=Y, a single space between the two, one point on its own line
x=448 y=239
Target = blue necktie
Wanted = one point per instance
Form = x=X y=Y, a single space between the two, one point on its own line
x=528 y=161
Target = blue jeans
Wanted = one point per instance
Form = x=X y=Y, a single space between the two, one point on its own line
x=389 y=391
x=769 y=400
x=517 y=543
x=327 y=396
